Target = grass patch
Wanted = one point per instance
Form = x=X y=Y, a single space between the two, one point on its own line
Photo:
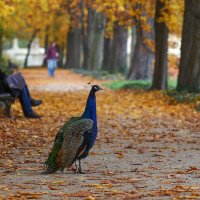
x=136 y=85
x=172 y=84
x=124 y=84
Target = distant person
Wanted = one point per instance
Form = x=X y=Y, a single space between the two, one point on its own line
x=52 y=56
x=15 y=84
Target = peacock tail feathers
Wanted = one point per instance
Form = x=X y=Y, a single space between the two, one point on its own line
x=66 y=144
x=51 y=161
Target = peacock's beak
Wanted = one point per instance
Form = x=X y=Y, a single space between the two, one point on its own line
x=100 y=88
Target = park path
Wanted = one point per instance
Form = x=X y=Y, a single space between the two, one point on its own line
x=64 y=80
x=146 y=148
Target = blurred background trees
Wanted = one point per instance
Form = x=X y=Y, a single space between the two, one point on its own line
x=189 y=69
x=94 y=35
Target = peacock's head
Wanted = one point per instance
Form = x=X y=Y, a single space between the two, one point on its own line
x=96 y=88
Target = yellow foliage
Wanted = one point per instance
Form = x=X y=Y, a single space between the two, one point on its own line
x=56 y=16
x=172 y=15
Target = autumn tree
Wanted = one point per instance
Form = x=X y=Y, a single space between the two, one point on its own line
x=161 y=48
x=34 y=18
x=119 y=49
x=108 y=48
x=6 y=14
x=46 y=43
x=86 y=22
x=168 y=18
x=108 y=45
x=115 y=47
x=87 y=31
x=121 y=16
x=143 y=51
x=142 y=57
x=28 y=16
x=74 y=40
x=96 y=56
x=1 y=42
x=189 y=69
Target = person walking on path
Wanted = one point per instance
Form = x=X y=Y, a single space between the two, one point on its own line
x=52 y=56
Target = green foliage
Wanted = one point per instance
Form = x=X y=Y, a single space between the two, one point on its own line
x=184 y=97
x=3 y=62
x=172 y=84
x=4 y=65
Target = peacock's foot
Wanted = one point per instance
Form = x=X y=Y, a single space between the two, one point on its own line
x=79 y=168
x=71 y=168
x=79 y=171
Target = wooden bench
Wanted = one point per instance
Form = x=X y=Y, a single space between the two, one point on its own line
x=5 y=102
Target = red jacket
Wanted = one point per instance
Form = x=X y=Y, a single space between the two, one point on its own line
x=52 y=53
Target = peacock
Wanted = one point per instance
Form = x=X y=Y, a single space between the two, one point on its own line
x=75 y=138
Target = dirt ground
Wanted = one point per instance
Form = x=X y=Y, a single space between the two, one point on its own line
x=146 y=147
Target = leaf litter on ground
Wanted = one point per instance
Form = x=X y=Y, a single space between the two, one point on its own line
x=146 y=148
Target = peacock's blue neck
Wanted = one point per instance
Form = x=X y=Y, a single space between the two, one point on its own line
x=90 y=108
x=90 y=113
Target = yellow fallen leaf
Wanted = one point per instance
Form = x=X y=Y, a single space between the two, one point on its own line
x=58 y=182
x=89 y=198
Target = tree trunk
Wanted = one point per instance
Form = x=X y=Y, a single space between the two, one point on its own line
x=133 y=43
x=46 y=42
x=96 y=57
x=73 y=57
x=107 y=58
x=119 y=51
x=61 y=55
x=142 y=56
x=189 y=69
x=87 y=36
x=74 y=40
x=1 y=43
x=29 y=48
x=161 y=48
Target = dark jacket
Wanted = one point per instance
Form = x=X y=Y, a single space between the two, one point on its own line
x=3 y=87
x=52 y=53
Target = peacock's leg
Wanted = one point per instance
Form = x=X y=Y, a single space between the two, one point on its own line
x=77 y=168
x=80 y=168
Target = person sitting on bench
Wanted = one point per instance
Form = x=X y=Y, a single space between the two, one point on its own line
x=15 y=84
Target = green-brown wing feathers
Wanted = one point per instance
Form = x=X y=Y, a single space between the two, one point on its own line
x=67 y=143
x=59 y=141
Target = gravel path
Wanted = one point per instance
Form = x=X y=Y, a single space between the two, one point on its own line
x=146 y=149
